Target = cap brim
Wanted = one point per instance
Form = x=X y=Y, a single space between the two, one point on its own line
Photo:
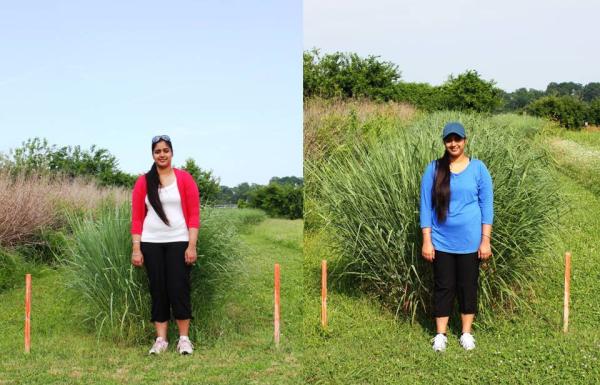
x=461 y=135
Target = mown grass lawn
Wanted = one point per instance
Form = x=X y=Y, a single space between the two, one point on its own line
x=586 y=137
x=65 y=351
x=364 y=344
x=580 y=159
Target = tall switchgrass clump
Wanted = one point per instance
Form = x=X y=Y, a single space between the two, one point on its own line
x=369 y=203
x=331 y=127
x=117 y=300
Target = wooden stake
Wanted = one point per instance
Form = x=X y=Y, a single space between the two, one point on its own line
x=27 y=313
x=276 y=310
x=567 y=292
x=324 y=293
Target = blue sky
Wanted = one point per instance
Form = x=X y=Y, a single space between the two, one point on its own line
x=518 y=43
x=222 y=78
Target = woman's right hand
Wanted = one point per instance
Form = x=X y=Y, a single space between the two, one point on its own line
x=427 y=251
x=137 y=259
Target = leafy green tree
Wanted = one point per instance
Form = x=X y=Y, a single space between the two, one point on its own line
x=295 y=203
x=33 y=155
x=347 y=75
x=594 y=112
x=270 y=199
x=311 y=85
x=564 y=89
x=207 y=183
x=39 y=156
x=468 y=92
x=225 y=195
x=278 y=200
x=521 y=97
x=591 y=91
x=292 y=180
x=243 y=191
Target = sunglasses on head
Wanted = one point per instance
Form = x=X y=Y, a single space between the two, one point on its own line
x=161 y=137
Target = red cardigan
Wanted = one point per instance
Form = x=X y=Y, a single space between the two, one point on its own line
x=190 y=201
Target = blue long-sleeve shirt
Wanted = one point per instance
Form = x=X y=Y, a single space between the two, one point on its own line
x=471 y=205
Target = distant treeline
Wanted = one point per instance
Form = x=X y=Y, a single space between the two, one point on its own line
x=282 y=197
x=348 y=75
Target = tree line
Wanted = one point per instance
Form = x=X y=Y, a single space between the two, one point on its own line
x=282 y=197
x=348 y=75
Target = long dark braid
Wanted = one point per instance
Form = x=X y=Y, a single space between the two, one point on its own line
x=152 y=184
x=441 y=187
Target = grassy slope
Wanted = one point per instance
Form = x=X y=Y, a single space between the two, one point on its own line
x=365 y=345
x=65 y=352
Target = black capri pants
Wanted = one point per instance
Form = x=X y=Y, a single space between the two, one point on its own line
x=169 y=280
x=455 y=274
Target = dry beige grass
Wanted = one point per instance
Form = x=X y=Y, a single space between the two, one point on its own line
x=29 y=203
x=591 y=128
x=324 y=120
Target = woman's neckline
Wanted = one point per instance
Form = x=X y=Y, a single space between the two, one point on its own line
x=464 y=169
x=170 y=184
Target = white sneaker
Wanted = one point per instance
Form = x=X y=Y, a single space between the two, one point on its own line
x=439 y=342
x=184 y=346
x=467 y=341
x=160 y=345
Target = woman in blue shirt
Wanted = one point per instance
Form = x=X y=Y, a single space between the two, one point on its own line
x=456 y=219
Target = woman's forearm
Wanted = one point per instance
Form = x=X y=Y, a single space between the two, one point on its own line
x=486 y=232
x=426 y=234
x=193 y=233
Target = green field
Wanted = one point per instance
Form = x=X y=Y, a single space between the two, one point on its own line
x=590 y=138
x=365 y=343
x=65 y=351
x=578 y=155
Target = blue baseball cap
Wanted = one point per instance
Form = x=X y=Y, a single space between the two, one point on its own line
x=454 y=128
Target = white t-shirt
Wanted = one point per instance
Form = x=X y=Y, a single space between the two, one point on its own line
x=154 y=229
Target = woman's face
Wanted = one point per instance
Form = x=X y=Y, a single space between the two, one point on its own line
x=162 y=154
x=455 y=145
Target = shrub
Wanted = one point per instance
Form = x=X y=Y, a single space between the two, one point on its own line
x=12 y=269
x=468 y=92
x=566 y=110
x=421 y=95
x=278 y=200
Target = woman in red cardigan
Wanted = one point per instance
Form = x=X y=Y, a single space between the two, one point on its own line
x=164 y=227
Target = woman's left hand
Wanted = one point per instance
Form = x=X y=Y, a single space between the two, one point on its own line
x=190 y=255
x=485 y=250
